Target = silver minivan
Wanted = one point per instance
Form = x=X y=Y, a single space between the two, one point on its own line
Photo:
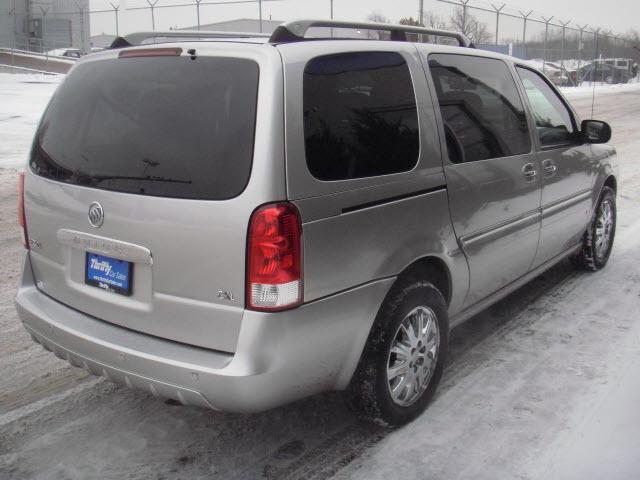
x=236 y=221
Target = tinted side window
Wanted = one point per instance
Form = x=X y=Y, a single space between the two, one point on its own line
x=553 y=120
x=360 y=116
x=482 y=112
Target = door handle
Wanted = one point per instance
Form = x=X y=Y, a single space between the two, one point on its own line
x=549 y=167
x=529 y=171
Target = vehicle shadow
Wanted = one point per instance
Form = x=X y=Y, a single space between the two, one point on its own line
x=487 y=322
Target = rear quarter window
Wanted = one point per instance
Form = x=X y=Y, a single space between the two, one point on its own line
x=360 y=116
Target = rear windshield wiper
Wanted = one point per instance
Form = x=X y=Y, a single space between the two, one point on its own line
x=147 y=178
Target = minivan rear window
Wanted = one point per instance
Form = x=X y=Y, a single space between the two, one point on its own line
x=162 y=126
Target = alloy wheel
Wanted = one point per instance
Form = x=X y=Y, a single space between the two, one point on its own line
x=604 y=228
x=413 y=356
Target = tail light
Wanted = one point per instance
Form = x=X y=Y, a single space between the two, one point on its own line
x=274 y=258
x=22 y=220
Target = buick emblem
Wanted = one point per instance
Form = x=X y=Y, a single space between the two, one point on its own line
x=96 y=215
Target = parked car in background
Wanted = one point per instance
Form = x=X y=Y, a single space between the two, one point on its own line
x=603 y=72
x=567 y=73
x=566 y=77
x=72 y=53
x=65 y=52
x=238 y=223
x=559 y=75
x=624 y=63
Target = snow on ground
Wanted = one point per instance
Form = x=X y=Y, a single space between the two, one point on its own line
x=23 y=98
x=587 y=89
x=551 y=390
x=543 y=385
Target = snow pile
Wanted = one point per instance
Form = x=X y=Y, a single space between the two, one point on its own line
x=23 y=98
x=586 y=89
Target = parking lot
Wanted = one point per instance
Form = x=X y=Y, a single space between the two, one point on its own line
x=544 y=384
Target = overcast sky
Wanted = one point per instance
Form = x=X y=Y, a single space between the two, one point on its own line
x=616 y=15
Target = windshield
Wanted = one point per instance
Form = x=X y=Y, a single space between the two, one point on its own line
x=165 y=126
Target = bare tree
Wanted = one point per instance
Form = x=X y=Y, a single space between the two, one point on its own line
x=378 y=17
x=435 y=21
x=410 y=21
x=469 y=25
x=432 y=21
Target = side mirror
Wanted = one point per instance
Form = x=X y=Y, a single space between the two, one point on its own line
x=595 y=131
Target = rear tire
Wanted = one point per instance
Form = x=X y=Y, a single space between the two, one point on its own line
x=403 y=358
x=597 y=241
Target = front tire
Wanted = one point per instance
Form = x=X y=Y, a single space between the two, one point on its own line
x=597 y=241
x=403 y=359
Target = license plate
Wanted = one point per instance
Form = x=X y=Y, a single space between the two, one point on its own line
x=108 y=273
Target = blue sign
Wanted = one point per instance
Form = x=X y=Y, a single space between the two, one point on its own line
x=108 y=273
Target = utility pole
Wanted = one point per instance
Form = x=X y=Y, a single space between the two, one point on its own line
x=564 y=29
x=525 y=17
x=43 y=44
x=635 y=47
x=29 y=22
x=83 y=47
x=595 y=65
x=546 y=38
x=615 y=41
x=15 y=31
x=498 y=10
x=115 y=11
x=198 y=12
x=581 y=28
x=464 y=13
x=259 y=13
x=331 y=15
x=596 y=32
x=606 y=34
x=464 y=5
x=153 y=16
x=421 y=13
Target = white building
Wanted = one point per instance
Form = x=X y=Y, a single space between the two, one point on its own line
x=43 y=25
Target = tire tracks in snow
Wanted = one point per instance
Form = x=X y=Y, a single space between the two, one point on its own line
x=313 y=439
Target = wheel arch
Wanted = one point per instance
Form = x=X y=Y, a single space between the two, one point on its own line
x=606 y=179
x=432 y=269
x=611 y=182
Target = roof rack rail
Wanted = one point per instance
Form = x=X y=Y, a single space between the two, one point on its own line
x=134 y=39
x=295 y=31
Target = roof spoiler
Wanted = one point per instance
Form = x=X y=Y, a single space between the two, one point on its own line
x=295 y=31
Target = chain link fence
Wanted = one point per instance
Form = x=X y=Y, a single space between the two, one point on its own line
x=569 y=52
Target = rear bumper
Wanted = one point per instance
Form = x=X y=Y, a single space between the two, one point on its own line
x=280 y=357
